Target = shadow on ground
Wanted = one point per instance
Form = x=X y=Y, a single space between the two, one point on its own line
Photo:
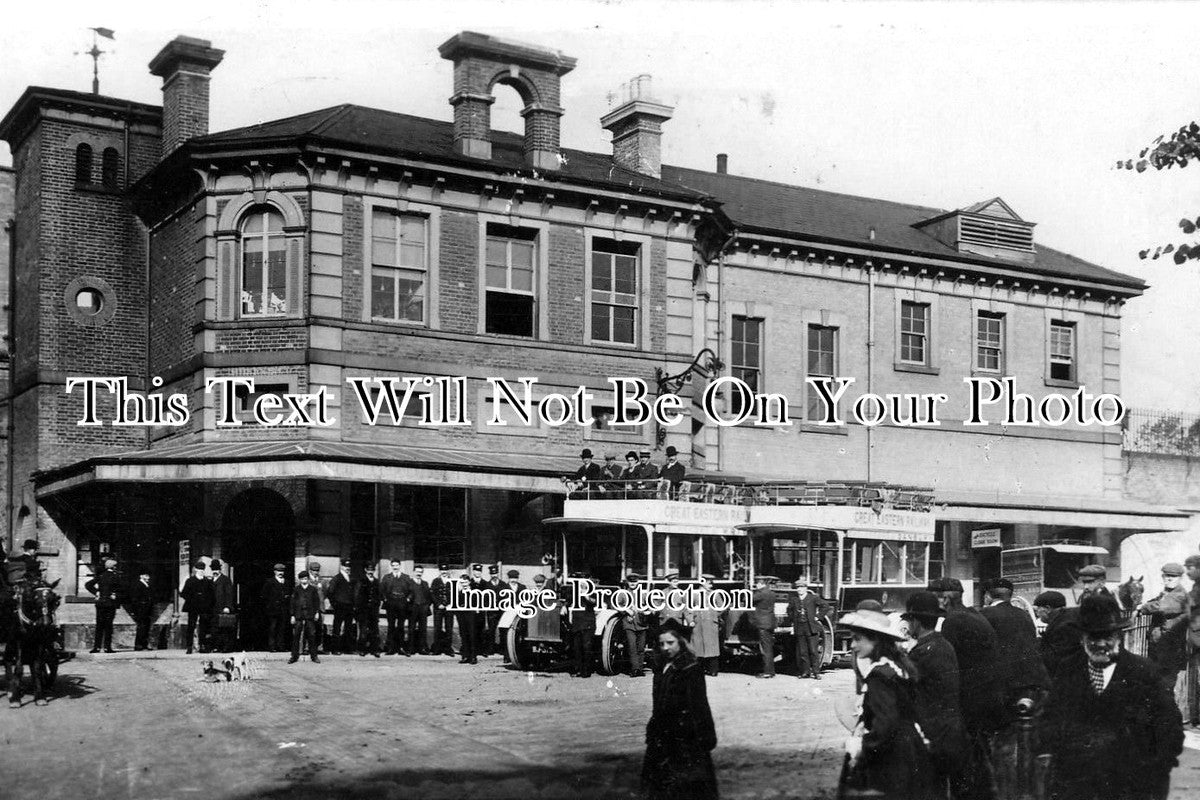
x=742 y=772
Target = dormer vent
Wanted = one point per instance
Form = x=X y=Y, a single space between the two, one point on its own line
x=990 y=228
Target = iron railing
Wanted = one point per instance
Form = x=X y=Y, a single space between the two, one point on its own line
x=801 y=493
x=1147 y=430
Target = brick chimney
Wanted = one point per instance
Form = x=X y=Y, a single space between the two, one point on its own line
x=184 y=64
x=482 y=61
x=636 y=127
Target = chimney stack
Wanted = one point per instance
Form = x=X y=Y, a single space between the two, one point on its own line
x=722 y=163
x=184 y=64
x=636 y=127
x=480 y=62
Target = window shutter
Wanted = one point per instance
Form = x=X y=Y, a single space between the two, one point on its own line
x=227 y=284
x=294 y=285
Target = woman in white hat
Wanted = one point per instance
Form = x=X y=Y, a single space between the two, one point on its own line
x=886 y=755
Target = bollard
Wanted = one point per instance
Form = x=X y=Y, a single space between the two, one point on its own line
x=1025 y=747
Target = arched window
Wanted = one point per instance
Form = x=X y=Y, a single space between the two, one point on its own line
x=110 y=167
x=83 y=163
x=264 y=263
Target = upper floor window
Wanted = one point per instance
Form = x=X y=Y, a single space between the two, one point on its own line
x=264 y=264
x=110 y=168
x=914 y=332
x=83 y=164
x=822 y=363
x=510 y=305
x=745 y=357
x=989 y=342
x=1062 y=351
x=399 y=266
x=614 y=291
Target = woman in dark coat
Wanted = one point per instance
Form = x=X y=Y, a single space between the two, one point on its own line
x=887 y=756
x=680 y=734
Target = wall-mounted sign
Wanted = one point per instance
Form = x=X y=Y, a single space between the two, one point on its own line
x=986 y=537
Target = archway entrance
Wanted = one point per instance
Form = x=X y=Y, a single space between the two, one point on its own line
x=258 y=530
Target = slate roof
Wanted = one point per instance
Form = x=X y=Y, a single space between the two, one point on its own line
x=387 y=132
x=782 y=209
x=754 y=205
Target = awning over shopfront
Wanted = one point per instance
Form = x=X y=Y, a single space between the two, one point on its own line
x=1082 y=512
x=264 y=460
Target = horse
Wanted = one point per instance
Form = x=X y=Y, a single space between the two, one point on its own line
x=1130 y=593
x=31 y=634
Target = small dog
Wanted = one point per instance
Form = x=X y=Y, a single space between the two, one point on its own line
x=237 y=666
x=213 y=674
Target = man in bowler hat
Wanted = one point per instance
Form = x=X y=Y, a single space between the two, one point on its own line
x=141 y=608
x=673 y=471
x=1112 y=730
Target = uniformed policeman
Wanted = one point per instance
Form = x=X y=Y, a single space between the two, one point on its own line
x=340 y=594
x=491 y=619
x=1168 y=626
x=468 y=620
x=441 y=589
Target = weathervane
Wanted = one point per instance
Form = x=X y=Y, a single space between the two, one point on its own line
x=95 y=53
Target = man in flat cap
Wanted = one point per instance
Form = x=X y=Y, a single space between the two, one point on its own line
x=276 y=601
x=763 y=619
x=646 y=474
x=805 y=610
x=1021 y=670
x=611 y=473
x=1060 y=638
x=305 y=608
x=974 y=643
x=422 y=600
x=1192 y=566
x=28 y=557
x=1112 y=730
x=340 y=594
x=635 y=621
x=1089 y=580
x=1168 y=626
x=938 y=694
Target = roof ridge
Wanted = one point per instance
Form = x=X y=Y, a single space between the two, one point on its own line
x=328 y=111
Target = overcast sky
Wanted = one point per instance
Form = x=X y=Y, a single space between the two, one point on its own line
x=936 y=104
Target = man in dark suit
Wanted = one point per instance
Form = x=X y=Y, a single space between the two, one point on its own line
x=582 y=615
x=28 y=557
x=647 y=475
x=1168 y=626
x=480 y=585
x=340 y=594
x=1112 y=730
x=1059 y=638
x=397 y=589
x=635 y=623
x=141 y=608
x=468 y=619
x=367 y=597
x=938 y=694
x=106 y=585
x=1020 y=668
x=494 y=586
x=198 y=602
x=422 y=599
x=305 y=610
x=224 y=605
x=587 y=477
x=805 y=611
x=1192 y=566
x=673 y=471
x=442 y=589
x=276 y=600
x=763 y=619
x=974 y=643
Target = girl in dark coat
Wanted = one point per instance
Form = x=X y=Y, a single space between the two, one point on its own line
x=887 y=756
x=680 y=734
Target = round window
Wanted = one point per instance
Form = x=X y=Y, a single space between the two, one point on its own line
x=90 y=302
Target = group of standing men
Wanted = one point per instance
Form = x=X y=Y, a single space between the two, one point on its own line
x=1105 y=719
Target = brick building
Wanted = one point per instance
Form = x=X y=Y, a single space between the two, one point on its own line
x=353 y=242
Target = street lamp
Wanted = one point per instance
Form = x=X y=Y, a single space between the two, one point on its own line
x=706 y=364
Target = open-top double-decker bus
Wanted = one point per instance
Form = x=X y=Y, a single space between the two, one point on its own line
x=850 y=540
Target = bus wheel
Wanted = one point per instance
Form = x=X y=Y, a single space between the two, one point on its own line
x=520 y=652
x=825 y=654
x=613 y=655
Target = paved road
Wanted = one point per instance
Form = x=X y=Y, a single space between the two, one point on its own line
x=147 y=728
